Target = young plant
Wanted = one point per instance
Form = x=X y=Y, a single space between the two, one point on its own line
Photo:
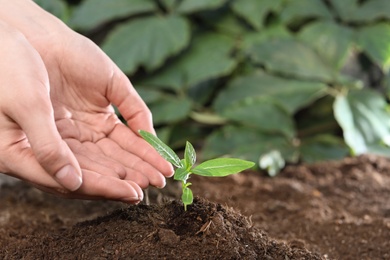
x=185 y=167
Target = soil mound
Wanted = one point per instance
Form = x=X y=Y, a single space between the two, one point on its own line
x=337 y=210
x=205 y=231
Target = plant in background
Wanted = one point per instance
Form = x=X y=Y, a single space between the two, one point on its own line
x=185 y=167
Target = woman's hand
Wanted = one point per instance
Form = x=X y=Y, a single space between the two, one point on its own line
x=56 y=120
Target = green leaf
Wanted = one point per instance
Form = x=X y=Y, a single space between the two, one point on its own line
x=322 y=148
x=297 y=11
x=189 y=155
x=273 y=162
x=291 y=94
x=346 y=9
x=181 y=174
x=246 y=143
x=191 y=6
x=366 y=12
x=292 y=58
x=386 y=84
x=263 y=113
x=163 y=149
x=207 y=58
x=363 y=117
x=226 y=23
x=170 y=110
x=373 y=10
x=222 y=167
x=255 y=11
x=187 y=197
x=147 y=42
x=330 y=40
x=278 y=31
x=374 y=40
x=169 y=4
x=92 y=13
x=149 y=95
x=55 y=7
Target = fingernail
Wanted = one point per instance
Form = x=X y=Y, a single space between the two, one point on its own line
x=68 y=177
x=141 y=196
x=161 y=186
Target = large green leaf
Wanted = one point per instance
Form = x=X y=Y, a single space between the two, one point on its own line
x=291 y=57
x=246 y=143
x=228 y=23
x=278 y=31
x=373 y=10
x=92 y=13
x=149 y=95
x=291 y=94
x=330 y=40
x=368 y=11
x=363 y=117
x=170 y=110
x=375 y=41
x=346 y=9
x=209 y=57
x=299 y=10
x=169 y=4
x=164 y=150
x=323 y=147
x=263 y=113
x=221 y=167
x=147 y=42
x=255 y=11
x=191 y=6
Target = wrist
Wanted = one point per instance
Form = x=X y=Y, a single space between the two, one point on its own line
x=37 y=25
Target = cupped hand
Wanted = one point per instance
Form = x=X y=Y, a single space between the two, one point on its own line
x=57 y=124
x=84 y=83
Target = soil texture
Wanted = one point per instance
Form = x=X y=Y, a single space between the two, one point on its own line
x=329 y=210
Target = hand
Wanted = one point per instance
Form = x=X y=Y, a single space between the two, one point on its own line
x=84 y=82
x=113 y=160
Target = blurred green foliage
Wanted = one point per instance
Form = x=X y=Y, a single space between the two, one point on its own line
x=271 y=81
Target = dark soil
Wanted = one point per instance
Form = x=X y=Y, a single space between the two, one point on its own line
x=332 y=210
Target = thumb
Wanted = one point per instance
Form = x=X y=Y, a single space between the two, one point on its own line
x=50 y=150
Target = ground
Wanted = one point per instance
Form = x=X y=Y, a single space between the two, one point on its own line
x=330 y=210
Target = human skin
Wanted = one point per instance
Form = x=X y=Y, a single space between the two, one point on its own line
x=57 y=124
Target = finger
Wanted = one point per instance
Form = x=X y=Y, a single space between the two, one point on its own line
x=30 y=170
x=35 y=116
x=139 y=171
x=134 y=144
x=91 y=157
x=131 y=106
x=97 y=187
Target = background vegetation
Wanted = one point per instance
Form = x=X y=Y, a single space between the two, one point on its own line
x=271 y=81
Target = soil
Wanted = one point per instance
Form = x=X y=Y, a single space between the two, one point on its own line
x=329 y=210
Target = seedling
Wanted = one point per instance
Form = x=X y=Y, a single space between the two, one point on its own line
x=185 y=167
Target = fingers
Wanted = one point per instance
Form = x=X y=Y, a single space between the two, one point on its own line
x=133 y=109
x=97 y=186
x=134 y=144
x=24 y=85
x=94 y=186
x=138 y=170
x=91 y=157
x=35 y=117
